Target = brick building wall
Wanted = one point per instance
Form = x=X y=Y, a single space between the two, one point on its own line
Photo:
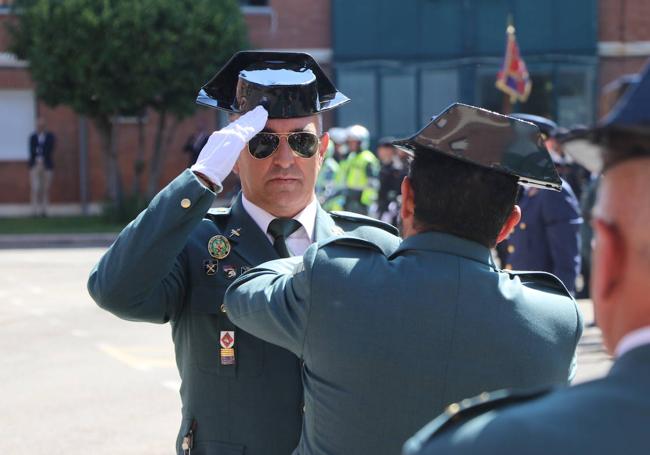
x=624 y=35
x=283 y=24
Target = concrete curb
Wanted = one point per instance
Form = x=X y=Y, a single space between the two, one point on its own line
x=56 y=240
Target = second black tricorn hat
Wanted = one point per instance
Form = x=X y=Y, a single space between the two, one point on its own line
x=287 y=84
x=490 y=140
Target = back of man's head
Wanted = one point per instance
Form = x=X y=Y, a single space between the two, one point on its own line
x=460 y=198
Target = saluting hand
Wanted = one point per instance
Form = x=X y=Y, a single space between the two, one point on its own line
x=218 y=156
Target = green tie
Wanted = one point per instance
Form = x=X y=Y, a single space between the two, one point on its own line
x=280 y=229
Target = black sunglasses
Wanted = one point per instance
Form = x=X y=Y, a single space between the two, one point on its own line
x=303 y=143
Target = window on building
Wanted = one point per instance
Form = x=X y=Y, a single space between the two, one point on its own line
x=361 y=87
x=439 y=89
x=17 y=114
x=562 y=93
x=397 y=105
x=5 y=6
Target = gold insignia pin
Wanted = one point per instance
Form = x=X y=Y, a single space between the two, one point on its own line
x=235 y=232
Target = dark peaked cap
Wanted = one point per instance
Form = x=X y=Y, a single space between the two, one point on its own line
x=287 y=84
x=624 y=133
x=490 y=140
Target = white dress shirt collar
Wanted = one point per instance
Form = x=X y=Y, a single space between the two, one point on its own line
x=632 y=340
x=307 y=217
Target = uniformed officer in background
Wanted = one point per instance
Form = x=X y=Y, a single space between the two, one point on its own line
x=548 y=236
x=609 y=415
x=174 y=262
x=358 y=173
x=393 y=331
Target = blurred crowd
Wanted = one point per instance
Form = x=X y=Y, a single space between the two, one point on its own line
x=356 y=179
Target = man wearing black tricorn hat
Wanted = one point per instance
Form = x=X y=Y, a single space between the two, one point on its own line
x=392 y=332
x=174 y=261
x=610 y=415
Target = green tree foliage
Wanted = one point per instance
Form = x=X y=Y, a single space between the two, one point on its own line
x=105 y=58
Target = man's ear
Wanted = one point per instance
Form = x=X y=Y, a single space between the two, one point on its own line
x=608 y=260
x=512 y=221
x=407 y=211
x=324 y=142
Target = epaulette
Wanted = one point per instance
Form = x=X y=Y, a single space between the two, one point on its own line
x=219 y=211
x=458 y=413
x=219 y=216
x=355 y=241
x=356 y=218
x=545 y=279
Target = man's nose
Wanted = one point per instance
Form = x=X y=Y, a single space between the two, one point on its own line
x=284 y=156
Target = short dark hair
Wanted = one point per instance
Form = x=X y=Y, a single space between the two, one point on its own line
x=460 y=198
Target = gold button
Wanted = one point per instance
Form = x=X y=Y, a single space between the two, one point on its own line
x=185 y=203
x=453 y=408
x=522 y=226
x=508 y=266
x=511 y=248
x=223 y=308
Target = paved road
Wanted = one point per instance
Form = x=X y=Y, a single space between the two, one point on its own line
x=75 y=379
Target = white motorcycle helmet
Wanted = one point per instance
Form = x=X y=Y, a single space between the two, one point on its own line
x=338 y=135
x=359 y=133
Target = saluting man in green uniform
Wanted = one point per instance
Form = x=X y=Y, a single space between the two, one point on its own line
x=392 y=332
x=174 y=262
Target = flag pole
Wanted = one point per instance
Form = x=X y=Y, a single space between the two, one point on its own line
x=508 y=101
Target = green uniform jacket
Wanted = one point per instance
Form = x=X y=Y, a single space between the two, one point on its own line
x=159 y=270
x=603 y=417
x=392 y=332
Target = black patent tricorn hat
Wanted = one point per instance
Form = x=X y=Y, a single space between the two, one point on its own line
x=490 y=140
x=287 y=84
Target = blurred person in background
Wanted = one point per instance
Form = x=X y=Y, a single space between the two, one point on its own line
x=41 y=167
x=338 y=139
x=548 y=236
x=391 y=174
x=195 y=143
x=359 y=172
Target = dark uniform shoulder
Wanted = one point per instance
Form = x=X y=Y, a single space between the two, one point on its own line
x=461 y=412
x=544 y=280
x=352 y=219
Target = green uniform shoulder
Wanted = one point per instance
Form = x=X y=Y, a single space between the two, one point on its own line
x=541 y=279
x=461 y=412
x=351 y=218
x=358 y=240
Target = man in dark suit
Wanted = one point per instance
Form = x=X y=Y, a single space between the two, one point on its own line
x=609 y=415
x=548 y=236
x=41 y=166
x=175 y=261
x=393 y=331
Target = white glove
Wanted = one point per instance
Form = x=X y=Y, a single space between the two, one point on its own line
x=219 y=155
